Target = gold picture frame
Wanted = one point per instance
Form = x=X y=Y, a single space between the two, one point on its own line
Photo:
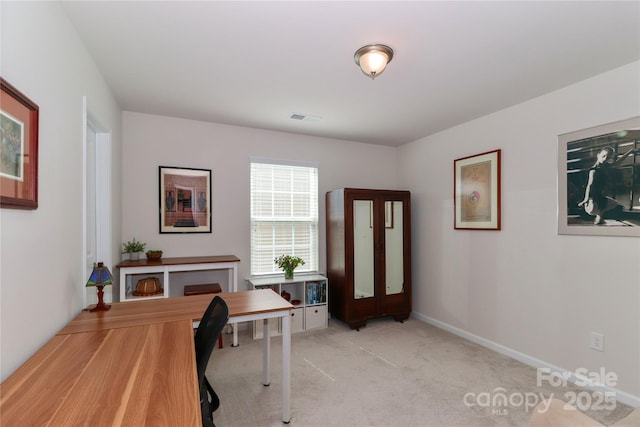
x=477 y=191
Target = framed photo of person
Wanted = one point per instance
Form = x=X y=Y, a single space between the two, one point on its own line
x=477 y=191
x=185 y=200
x=599 y=180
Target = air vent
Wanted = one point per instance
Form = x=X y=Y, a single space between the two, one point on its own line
x=304 y=117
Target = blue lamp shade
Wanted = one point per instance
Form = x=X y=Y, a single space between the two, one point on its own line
x=100 y=276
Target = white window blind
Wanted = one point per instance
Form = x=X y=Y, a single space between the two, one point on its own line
x=284 y=216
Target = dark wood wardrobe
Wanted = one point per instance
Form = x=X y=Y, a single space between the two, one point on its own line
x=368 y=254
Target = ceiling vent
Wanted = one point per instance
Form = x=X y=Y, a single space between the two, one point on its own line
x=304 y=117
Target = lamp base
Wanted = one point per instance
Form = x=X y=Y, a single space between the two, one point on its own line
x=103 y=307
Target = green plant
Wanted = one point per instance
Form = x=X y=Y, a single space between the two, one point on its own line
x=154 y=251
x=288 y=263
x=133 y=246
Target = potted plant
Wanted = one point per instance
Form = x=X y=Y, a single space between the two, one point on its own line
x=133 y=248
x=154 y=254
x=288 y=263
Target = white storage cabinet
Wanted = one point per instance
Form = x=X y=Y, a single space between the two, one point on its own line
x=311 y=312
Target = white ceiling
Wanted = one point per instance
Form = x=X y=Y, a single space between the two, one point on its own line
x=255 y=63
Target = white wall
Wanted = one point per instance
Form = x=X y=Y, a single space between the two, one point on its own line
x=41 y=269
x=151 y=141
x=526 y=287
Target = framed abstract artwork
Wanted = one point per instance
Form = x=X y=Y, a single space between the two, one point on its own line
x=18 y=149
x=599 y=180
x=185 y=200
x=477 y=191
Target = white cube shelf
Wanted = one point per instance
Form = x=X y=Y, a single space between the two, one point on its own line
x=308 y=293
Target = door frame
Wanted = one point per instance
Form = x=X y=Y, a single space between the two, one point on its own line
x=102 y=181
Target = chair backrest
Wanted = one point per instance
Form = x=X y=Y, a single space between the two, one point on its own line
x=211 y=325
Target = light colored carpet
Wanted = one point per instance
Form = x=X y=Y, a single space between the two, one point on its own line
x=386 y=374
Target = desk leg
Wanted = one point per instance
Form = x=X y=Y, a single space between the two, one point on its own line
x=232 y=286
x=234 y=327
x=286 y=368
x=266 y=352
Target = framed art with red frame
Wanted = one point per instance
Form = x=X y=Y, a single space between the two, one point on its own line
x=477 y=191
x=18 y=149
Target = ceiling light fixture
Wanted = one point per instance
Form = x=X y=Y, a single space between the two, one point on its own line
x=373 y=59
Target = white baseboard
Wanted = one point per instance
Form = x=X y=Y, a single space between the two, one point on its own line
x=621 y=396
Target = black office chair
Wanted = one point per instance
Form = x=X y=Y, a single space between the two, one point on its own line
x=211 y=325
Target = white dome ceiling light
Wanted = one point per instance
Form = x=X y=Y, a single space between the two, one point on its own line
x=373 y=59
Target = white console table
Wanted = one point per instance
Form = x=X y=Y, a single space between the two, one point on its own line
x=165 y=266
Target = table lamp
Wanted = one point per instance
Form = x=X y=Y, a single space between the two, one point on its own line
x=100 y=276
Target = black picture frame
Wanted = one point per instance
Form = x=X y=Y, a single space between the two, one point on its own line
x=184 y=200
x=619 y=195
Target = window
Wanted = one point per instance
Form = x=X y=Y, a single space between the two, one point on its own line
x=284 y=215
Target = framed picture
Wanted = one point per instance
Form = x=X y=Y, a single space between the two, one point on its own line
x=599 y=180
x=185 y=200
x=477 y=191
x=18 y=149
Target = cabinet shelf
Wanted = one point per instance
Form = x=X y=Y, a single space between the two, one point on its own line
x=308 y=293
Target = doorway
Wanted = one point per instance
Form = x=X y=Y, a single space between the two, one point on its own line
x=96 y=201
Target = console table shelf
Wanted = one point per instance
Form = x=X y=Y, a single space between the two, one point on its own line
x=164 y=266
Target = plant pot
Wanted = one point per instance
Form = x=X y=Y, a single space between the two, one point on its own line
x=134 y=256
x=288 y=274
x=154 y=256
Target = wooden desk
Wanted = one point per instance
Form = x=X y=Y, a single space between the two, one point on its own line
x=140 y=375
x=133 y=364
